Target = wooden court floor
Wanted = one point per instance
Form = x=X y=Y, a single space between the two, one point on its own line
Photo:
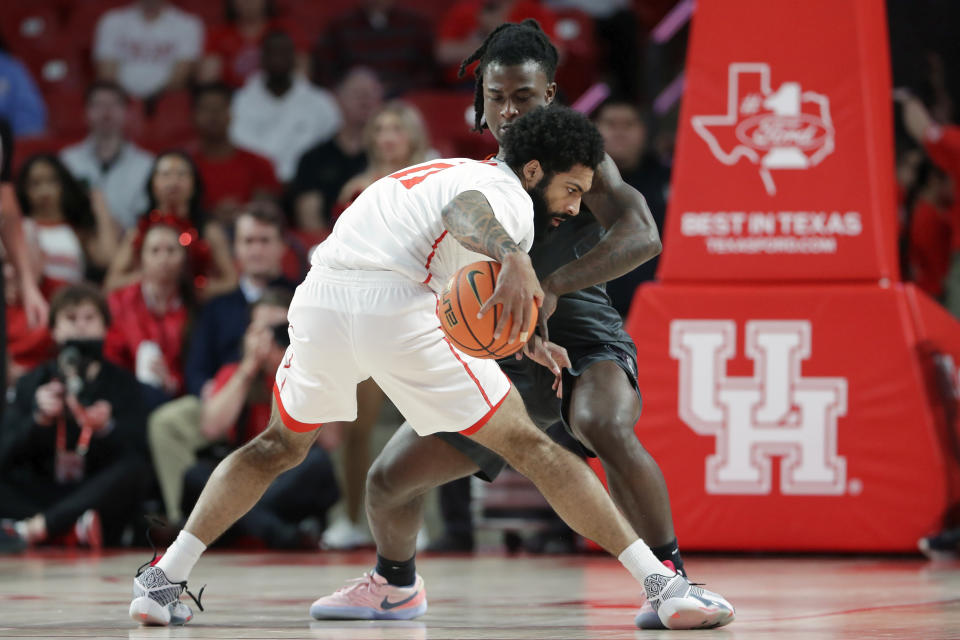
x=267 y=595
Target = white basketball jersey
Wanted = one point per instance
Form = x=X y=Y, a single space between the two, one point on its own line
x=396 y=223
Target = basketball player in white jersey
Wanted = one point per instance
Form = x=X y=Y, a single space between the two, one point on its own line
x=367 y=309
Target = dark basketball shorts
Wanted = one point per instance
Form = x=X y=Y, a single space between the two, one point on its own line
x=545 y=409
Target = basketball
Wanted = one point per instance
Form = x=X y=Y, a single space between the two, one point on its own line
x=459 y=303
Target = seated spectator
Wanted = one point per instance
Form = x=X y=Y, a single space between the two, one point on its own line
x=233 y=48
x=258 y=244
x=148 y=47
x=278 y=113
x=324 y=169
x=930 y=230
x=106 y=159
x=236 y=409
x=20 y=101
x=359 y=38
x=467 y=23
x=394 y=138
x=942 y=144
x=175 y=187
x=625 y=139
x=150 y=316
x=216 y=340
x=231 y=176
x=76 y=234
x=70 y=440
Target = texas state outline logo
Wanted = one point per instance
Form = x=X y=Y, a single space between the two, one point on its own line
x=777 y=130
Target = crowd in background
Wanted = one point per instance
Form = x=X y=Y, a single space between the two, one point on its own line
x=174 y=163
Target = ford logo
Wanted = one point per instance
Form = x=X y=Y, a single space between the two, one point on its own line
x=767 y=131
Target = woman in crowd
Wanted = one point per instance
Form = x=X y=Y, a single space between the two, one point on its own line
x=175 y=188
x=394 y=138
x=76 y=233
x=150 y=316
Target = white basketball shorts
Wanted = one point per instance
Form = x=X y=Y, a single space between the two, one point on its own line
x=347 y=326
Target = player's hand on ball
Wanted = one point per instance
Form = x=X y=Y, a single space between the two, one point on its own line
x=517 y=285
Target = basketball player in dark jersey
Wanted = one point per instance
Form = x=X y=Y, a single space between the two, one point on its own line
x=600 y=401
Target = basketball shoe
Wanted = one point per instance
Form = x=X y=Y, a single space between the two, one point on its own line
x=156 y=600
x=942 y=546
x=372 y=598
x=674 y=603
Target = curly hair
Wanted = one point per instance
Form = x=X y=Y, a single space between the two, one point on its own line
x=558 y=137
x=510 y=44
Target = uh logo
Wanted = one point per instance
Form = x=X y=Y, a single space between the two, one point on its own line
x=775 y=413
x=786 y=128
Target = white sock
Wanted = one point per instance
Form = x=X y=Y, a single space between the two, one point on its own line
x=640 y=561
x=178 y=561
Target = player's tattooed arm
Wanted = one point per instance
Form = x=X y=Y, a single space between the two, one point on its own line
x=469 y=218
x=631 y=239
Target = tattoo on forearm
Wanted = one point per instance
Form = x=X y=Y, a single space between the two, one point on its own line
x=469 y=218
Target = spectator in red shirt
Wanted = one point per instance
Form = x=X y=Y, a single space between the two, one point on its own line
x=176 y=188
x=930 y=230
x=236 y=408
x=233 y=49
x=231 y=176
x=150 y=316
x=468 y=22
x=395 y=42
x=942 y=144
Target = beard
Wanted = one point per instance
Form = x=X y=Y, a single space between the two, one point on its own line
x=543 y=217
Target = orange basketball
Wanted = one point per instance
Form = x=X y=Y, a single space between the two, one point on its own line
x=459 y=303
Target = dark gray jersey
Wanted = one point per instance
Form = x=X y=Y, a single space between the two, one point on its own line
x=585 y=317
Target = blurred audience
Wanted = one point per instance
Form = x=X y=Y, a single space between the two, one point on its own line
x=624 y=132
x=393 y=41
x=231 y=176
x=76 y=235
x=148 y=47
x=150 y=316
x=20 y=101
x=233 y=47
x=278 y=113
x=394 y=138
x=70 y=440
x=106 y=159
x=175 y=187
x=467 y=23
x=616 y=29
x=942 y=144
x=258 y=244
x=930 y=229
x=323 y=170
x=236 y=408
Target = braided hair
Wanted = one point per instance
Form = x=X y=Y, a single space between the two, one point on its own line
x=509 y=44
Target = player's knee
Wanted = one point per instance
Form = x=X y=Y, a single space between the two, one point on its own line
x=609 y=436
x=273 y=450
x=387 y=483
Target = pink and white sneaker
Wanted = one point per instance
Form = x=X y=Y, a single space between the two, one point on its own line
x=372 y=598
